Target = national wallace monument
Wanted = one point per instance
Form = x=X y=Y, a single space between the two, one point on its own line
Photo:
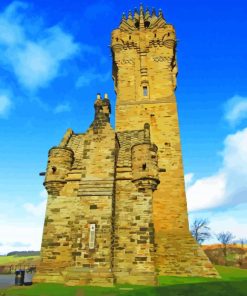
x=116 y=209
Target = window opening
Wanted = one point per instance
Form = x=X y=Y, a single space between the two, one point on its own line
x=145 y=91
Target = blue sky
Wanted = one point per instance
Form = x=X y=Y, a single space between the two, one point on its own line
x=55 y=57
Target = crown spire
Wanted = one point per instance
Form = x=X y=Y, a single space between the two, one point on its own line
x=141 y=17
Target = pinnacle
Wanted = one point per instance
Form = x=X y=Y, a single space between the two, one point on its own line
x=142 y=16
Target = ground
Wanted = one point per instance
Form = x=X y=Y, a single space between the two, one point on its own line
x=233 y=282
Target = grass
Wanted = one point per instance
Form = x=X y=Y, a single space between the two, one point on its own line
x=15 y=259
x=233 y=282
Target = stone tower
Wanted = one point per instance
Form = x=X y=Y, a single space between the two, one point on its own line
x=116 y=208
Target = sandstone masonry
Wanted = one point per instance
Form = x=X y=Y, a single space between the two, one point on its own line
x=116 y=209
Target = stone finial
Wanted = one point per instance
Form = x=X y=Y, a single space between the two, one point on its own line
x=98 y=100
x=102 y=109
x=147 y=13
x=130 y=15
x=153 y=11
x=123 y=16
x=141 y=9
x=141 y=17
x=136 y=15
x=160 y=13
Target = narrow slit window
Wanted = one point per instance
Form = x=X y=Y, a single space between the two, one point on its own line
x=92 y=236
x=145 y=91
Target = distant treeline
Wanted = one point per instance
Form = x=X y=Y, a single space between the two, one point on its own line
x=24 y=253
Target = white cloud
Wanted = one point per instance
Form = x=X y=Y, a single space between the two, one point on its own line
x=5 y=104
x=228 y=185
x=87 y=77
x=206 y=192
x=43 y=194
x=34 y=59
x=61 y=108
x=236 y=109
x=22 y=225
x=37 y=210
x=27 y=234
x=188 y=178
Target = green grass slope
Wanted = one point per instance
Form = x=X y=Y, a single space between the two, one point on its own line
x=233 y=282
x=7 y=260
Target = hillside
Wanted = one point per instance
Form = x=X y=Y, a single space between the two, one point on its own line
x=236 y=255
x=11 y=263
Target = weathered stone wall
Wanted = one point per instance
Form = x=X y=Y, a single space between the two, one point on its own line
x=85 y=198
x=136 y=179
x=145 y=72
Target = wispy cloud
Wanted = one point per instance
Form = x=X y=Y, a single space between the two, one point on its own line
x=228 y=185
x=35 y=59
x=37 y=210
x=236 y=110
x=87 y=77
x=5 y=104
x=188 y=178
x=61 y=108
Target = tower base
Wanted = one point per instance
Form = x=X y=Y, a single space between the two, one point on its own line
x=178 y=254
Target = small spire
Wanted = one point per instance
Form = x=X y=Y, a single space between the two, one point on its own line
x=147 y=14
x=136 y=13
x=141 y=17
x=123 y=16
x=106 y=96
x=160 y=12
x=141 y=9
x=98 y=100
x=153 y=11
x=130 y=15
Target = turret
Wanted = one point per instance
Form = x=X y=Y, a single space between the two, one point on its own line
x=145 y=169
x=60 y=161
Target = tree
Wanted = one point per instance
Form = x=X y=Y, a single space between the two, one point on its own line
x=200 y=230
x=225 y=238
